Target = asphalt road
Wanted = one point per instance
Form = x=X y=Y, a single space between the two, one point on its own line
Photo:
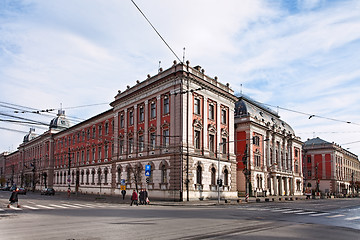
x=48 y=217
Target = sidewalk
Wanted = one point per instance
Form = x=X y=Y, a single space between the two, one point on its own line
x=118 y=199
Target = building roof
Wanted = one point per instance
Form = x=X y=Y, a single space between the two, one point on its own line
x=316 y=141
x=246 y=106
x=60 y=122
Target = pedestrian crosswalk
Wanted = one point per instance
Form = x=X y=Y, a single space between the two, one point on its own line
x=63 y=205
x=304 y=212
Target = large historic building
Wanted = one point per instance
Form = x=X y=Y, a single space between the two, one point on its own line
x=329 y=168
x=269 y=155
x=180 y=122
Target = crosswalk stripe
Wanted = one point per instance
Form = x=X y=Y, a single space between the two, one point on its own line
x=83 y=205
x=303 y=213
x=294 y=211
x=26 y=206
x=68 y=205
x=58 y=206
x=319 y=214
x=281 y=210
x=43 y=206
x=352 y=218
x=334 y=216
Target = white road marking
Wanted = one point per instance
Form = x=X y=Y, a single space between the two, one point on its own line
x=352 y=218
x=26 y=206
x=334 y=216
x=43 y=206
x=68 y=205
x=83 y=205
x=58 y=206
x=303 y=213
x=281 y=210
x=294 y=211
x=319 y=214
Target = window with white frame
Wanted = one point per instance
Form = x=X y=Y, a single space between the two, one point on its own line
x=152 y=140
x=197 y=139
x=152 y=110
x=223 y=116
x=166 y=105
x=141 y=143
x=197 y=106
x=211 y=112
x=166 y=138
x=141 y=114
x=212 y=143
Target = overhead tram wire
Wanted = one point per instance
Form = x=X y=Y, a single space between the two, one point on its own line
x=13 y=130
x=156 y=31
x=310 y=115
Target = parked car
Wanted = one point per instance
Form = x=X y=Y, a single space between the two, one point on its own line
x=48 y=191
x=22 y=191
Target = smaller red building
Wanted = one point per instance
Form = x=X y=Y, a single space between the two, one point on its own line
x=330 y=169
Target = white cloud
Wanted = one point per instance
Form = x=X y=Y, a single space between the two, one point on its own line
x=303 y=57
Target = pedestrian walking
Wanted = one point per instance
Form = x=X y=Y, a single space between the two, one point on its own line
x=134 y=198
x=123 y=193
x=141 y=197
x=14 y=198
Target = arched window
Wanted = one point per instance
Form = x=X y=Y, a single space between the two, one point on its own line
x=82 y=176
x=163 y=174
x=226 y=177
x=213 y=176
x=99 y=176
x=105 y=176
x=119 y=174
x=93 y=176
x=199 y=175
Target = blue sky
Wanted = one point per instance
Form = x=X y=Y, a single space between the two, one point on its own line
x=299 y=55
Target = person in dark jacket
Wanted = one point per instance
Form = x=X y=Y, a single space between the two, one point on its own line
x=123 y=192
x=14 y=198
x=134 y=198
x=146 y=199
x=141 y=197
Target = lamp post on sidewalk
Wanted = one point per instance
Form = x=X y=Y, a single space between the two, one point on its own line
x=246 y=171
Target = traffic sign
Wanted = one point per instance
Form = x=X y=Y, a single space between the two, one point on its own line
x=122 y=187
x=147 y=170
x=122 y=181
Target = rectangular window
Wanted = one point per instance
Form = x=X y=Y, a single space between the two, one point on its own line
x=106 y=128
x=87 y=155
x=166 y=139
x=131 y=118
x=121 y=146
x=211 y=111
x=211 y=143
x=122 y=121
x=166 y=105
x=93 y=154
x=197 y=139
x=99 y=153
x=224 y=147
x=94 y=132
x=152 y=110
x=106 y=149
x=223 y=116
x=309 y=159
x=141 y=143
x=141 y=114
x=131 y=145
x=309 y=173
x=100 y=130
x=197 y=106
x=82 y=157
x=152 y=140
